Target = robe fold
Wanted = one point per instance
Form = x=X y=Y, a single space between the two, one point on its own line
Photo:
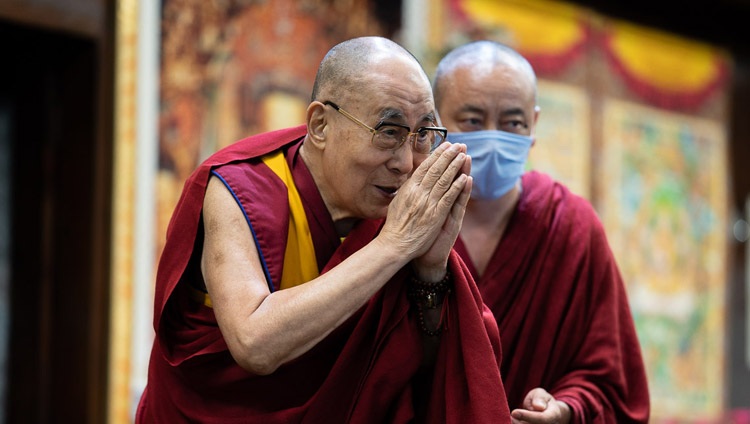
x=561 y=307
x=363 y=372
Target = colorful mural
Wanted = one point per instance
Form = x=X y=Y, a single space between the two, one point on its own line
x=231 y=69
x=563 y=136
x=665 y=208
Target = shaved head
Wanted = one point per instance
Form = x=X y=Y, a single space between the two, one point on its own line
x=480 y=55
x=343 y=69
x=371 y=81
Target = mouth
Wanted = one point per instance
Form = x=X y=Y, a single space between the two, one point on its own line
x=388 y=191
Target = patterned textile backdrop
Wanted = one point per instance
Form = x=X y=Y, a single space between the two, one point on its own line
x=665 y=213
x=231 y=69
x=563 y=146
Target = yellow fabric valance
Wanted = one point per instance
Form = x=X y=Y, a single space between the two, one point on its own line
x=549 y=34
x=667 y=70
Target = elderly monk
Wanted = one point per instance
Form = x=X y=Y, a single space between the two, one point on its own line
x=538 y=253
x=309 y=276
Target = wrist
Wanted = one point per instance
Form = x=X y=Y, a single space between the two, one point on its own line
x=566 y=411
x=429 y=296
x=428 y=274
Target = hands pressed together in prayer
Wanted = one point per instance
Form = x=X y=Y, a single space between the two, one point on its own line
x=425 y=217
x=540 y=407
x=438 y=192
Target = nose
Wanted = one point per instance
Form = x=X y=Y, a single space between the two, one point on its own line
x=402 y=160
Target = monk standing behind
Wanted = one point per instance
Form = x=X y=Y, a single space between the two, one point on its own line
x=263 y=314
x=539 y=254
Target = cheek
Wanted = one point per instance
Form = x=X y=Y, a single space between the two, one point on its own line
x=418 y=159
x=352 y=176
x=366 y=172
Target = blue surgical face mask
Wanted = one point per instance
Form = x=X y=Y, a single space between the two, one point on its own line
x=498 y=159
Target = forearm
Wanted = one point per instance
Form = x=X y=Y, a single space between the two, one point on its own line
x=288 y=323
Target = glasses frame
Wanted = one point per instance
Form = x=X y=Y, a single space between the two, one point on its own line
x=409 y=134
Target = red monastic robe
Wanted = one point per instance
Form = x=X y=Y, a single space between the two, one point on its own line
x=361 y=373
x=561 y=307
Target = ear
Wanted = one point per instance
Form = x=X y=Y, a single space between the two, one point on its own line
x=537 y=109
x=317 y=125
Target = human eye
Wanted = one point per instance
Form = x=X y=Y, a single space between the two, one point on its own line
x=470 y=123
x=423 y=135
x=392 y=131
x=517 y=126
x=389 y=136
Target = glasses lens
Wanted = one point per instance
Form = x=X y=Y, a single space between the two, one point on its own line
x=426 y=140
x=389 y=137
x=436 y=137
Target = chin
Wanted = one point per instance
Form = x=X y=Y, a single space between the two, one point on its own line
x=377 y=213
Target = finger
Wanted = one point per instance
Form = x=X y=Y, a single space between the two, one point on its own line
x=445 y=182
x=449 y=198
x=530 y=417
x=537 y=399
x=463 y=199
x=540 y=403
x=426 y=165
x=453 y=226
x=443 y=162
x=467 y=166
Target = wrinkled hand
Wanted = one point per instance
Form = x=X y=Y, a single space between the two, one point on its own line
x=431 y=266
x=424 y=217
x=540 y=407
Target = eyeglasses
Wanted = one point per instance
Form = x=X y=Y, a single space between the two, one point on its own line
x=391 y=136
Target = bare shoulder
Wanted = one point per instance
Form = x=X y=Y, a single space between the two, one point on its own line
x=219 y=206
x=228 y=239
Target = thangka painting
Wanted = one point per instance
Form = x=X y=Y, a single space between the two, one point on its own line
x=235 y=68
x=664 y=207
x=563 y=142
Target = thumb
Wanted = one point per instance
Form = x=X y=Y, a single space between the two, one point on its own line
x=539 y=403
x=537 y=399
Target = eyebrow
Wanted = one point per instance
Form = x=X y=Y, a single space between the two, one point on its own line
x=392 y=114
x=471 y=108
x=389 y=115
x=513 y=111
x=504 y=113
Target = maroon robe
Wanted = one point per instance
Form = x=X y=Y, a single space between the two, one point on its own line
x=362 y=372
x=561 y=307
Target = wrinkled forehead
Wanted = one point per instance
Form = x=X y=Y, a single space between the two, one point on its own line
x=396 y=89
x=396 y=69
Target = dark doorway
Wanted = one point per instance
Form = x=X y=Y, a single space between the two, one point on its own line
x=57 y=179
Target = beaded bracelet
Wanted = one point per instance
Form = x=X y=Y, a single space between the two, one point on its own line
x=430 y=295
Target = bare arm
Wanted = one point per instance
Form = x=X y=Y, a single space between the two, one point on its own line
x=264 y=330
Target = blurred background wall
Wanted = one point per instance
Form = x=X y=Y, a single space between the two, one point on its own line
x=107 y=106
